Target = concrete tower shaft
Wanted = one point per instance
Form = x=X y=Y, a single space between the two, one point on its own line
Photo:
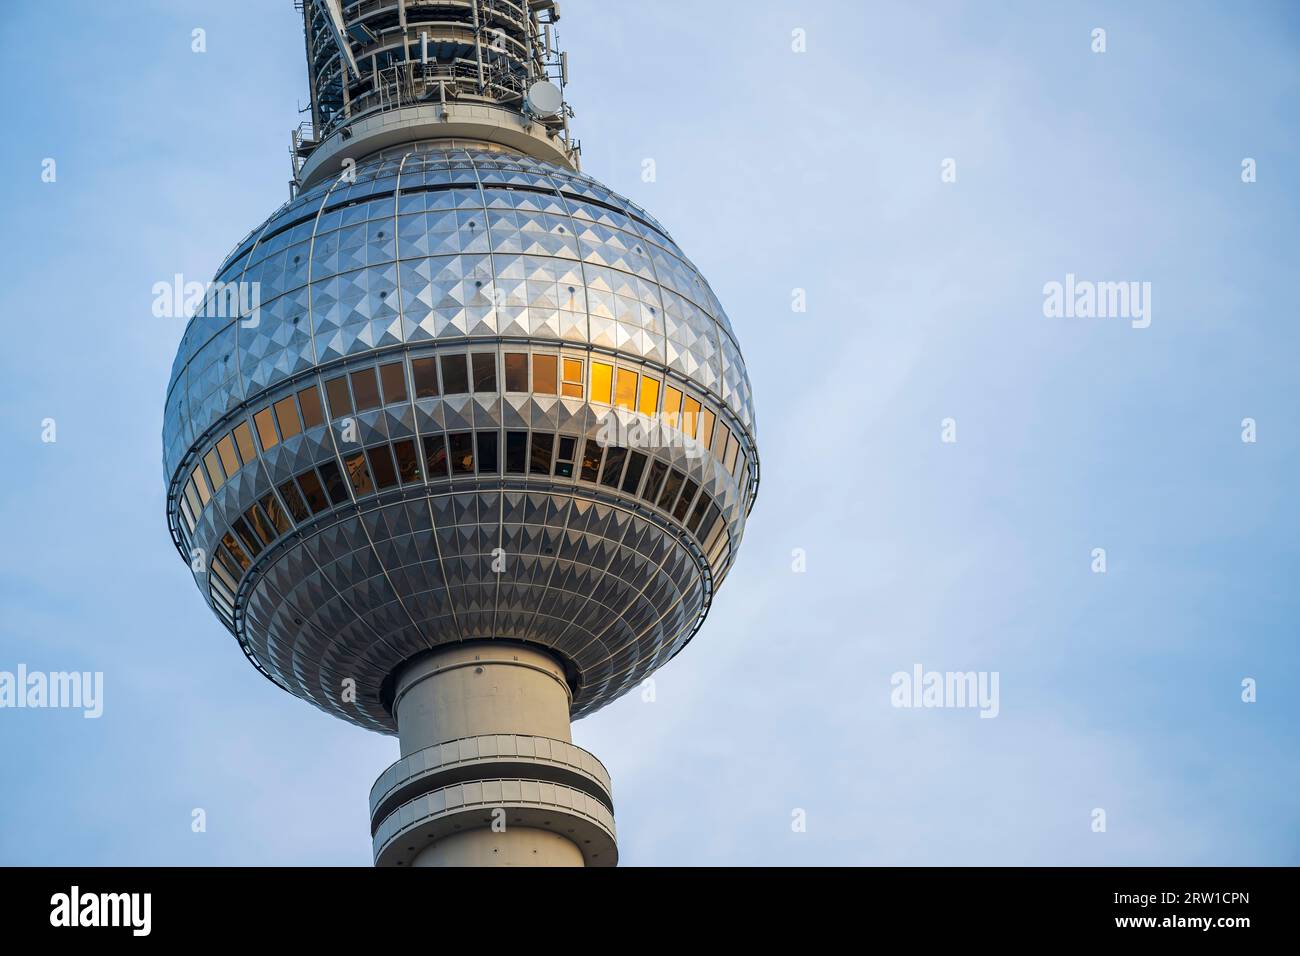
x=386 y=72
x=488 y=774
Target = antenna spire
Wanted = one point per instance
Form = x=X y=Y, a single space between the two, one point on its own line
x=381 y=75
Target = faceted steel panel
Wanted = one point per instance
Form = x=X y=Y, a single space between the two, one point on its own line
x=433 y=250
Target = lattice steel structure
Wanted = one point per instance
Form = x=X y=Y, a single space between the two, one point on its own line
x=459 y=447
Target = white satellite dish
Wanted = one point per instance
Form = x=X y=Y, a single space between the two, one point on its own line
x=544 y=98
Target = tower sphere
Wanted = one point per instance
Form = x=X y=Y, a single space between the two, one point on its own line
x=469 y=395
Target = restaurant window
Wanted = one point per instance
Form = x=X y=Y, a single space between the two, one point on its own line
x=564 y=458
x=309 y=402
x=649 y=395
x=591 y=459
x=236 y=551
x=455 y=380
x=244 y=439
x=671 y=487
x=516 y=453
x=635 y=469
x=657 y=472
x=333 y=479
x=393 y=379
x=381 y=466
x=539 y=462
x=408 y=462
x=625 y=389
x=226 y=449
x=719 y=549
x=711 y=517
x=246 y=535
x=733 y=447
x=613 y=470
x=697 y=515
x=266 y=429
x=602 y=381
x=720 y=442
x=188 y=515
x=340 y=401
x=672 y=406
x=200 y=484
x=544 y=371
x=516 y=371
x=275 y=511
x=425 y=373
x=485 y=371
x=690 y=416
x=215 y=474
x=222 y=596
x=684 y=502
x=313 y=492
x=365 y=389
x=462 y=452
x=286 y=412
x=572 y=378
x=260 y=524
x=293 y=501
x=435 y=457
x=706 y=427
x=224 y=572
x=713 y=528
x=358 y=474
x=192 y=496
x=488 y=443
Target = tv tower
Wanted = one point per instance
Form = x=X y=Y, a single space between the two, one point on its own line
x=459 y=445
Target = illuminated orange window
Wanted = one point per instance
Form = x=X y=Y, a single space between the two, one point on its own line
x=223 y=572
x=690 y=416
x=572 y=378
x=602 y=382
x=200 y=485
x=720 y=441
x=393 y=379
x=672 y=406
x=649 y=395
x=309 y=402
x=188 y=515
x=706 y=427
x=226 y=449
x=236 y=551
x=266 y=429
x=214 y=470
x=286 y=412
x=516 y=367
x=336 y=390
x=244 y=439
x=545 y=368
x=719 y=548
x=625 y=389
x=733 y=447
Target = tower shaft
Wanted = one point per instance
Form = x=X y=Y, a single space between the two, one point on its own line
x=489 y=775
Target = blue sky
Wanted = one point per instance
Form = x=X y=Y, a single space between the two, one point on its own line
x=776 y=171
